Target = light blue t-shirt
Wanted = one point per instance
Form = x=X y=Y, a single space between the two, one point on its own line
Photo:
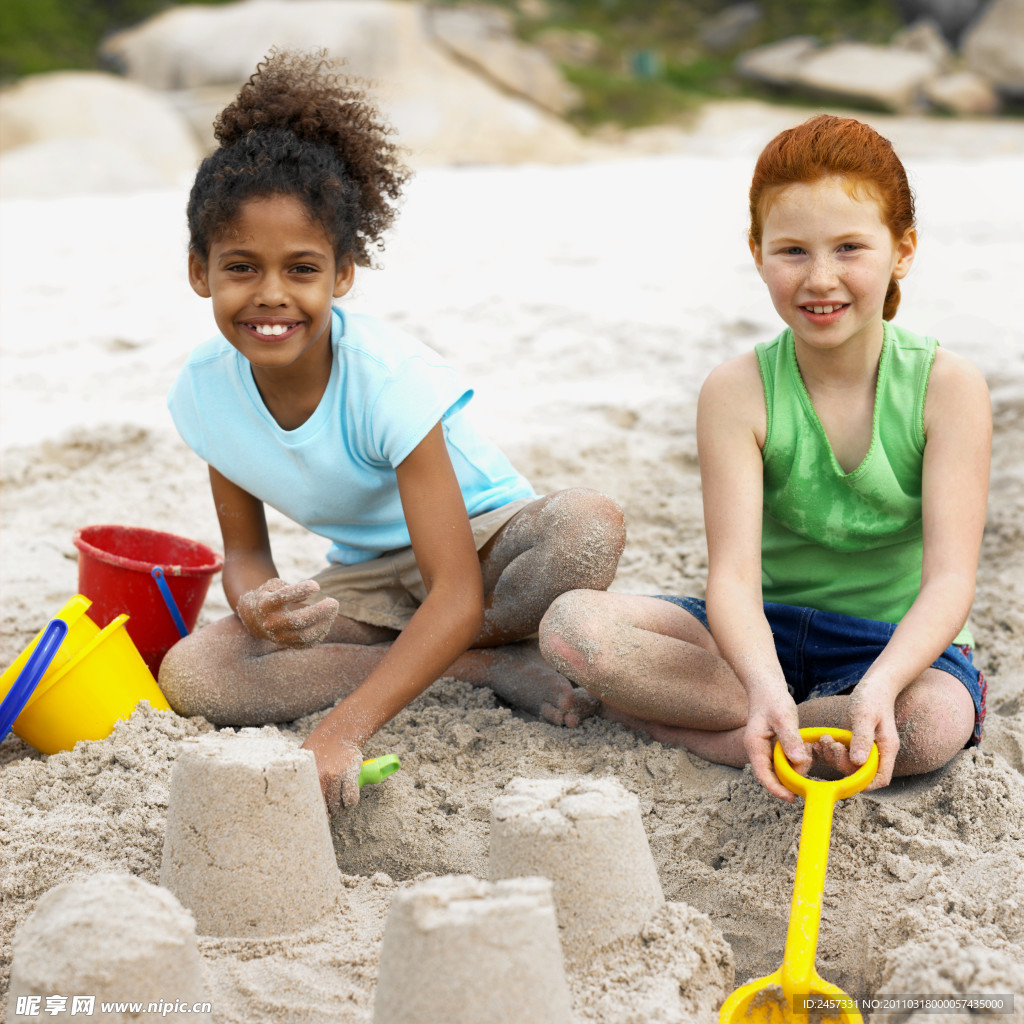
x=335 y=474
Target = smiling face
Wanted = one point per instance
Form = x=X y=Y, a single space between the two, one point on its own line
x=827 y=257
x=272 y=276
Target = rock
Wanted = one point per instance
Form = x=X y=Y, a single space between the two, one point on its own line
x=963 y=93
x=951 y=16
x=777 y=63
x=730 y=28
x=569 y=46
x=994 y=46
x=443 y=111
x=481 y=36
x=925 y=37
x=129 y=128
x=200 y=106
x=891 y=79
x=536 y=10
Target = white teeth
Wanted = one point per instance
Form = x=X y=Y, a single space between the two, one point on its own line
x=823 y=309
x=270 y=329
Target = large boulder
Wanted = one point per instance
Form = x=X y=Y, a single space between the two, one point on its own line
x=443 y=111
x=925 y=37
x=779 y=63
x=122 y=122
x=482 y=37
x=994 y=46
x=951 y=16
x=963 y=92
x=886 y=77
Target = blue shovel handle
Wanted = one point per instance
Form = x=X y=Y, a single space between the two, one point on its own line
x=28 y=678
x=172 y=606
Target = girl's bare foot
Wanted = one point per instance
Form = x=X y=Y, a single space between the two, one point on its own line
x=831 y=759
x=519 y=675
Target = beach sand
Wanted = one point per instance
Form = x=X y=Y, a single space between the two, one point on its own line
x=585 y=304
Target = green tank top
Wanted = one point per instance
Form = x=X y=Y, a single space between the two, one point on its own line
x=845 y=542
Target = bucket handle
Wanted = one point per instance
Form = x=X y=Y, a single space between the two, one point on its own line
x=28 y=678
x=172 y=606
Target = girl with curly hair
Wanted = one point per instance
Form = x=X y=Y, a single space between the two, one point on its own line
x=442 y=557
x=845 y=476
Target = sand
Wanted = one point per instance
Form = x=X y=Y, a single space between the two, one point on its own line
x=585 y=304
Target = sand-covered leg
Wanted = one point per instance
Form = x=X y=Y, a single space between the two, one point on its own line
x=645 y=657
x=567 y=540
x=934 y=719
x=230 y=678
x=519 y=675
x=724 y=746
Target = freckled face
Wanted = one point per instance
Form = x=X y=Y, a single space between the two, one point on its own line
x=827 y=257
x=272 y=276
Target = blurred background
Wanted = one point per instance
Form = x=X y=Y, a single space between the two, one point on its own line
x=109 y=95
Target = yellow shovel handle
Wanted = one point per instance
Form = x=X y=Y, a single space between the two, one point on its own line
x=820 y=798
x=839 y=788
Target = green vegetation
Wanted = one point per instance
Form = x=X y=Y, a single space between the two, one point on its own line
x=649 y=65
x=652 y=66
x=53 y=35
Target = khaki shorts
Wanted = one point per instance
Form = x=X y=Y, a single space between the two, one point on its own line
x=386 y=591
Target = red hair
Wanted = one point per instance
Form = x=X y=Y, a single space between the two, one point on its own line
x=827 y=146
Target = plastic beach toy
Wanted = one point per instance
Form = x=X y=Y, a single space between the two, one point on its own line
x=94 y=678
x=28 y=678
x=116 y=571
x=172 y=606
x=377 y=769
x=777 y=998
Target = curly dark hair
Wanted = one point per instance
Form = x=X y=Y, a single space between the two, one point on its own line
x=300 y=128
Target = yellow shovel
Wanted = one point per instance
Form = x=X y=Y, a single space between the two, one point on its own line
x=778 y=998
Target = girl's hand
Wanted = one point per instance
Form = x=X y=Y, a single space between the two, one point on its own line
x=271 y=612
x=873 y=720
x=338 y=763
x=767 y=722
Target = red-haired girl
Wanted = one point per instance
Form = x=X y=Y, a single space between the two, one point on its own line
x=845 y=476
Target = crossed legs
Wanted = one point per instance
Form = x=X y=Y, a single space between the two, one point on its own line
x=566 y=540
x=656 y=668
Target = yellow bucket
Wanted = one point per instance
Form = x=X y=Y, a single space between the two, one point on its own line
x=96 y=677
x=81 y=629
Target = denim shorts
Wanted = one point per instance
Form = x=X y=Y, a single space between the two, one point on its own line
x=824 y=654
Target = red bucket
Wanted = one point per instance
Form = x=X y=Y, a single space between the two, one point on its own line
x=115 y=567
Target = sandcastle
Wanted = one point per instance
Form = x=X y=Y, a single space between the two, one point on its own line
x=464 y=951
x=108 y=938
x=586 y=835
x=248 y=847
x=248 y=851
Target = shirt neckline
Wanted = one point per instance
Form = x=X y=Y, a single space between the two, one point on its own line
x=321 y=413
x=805 y=398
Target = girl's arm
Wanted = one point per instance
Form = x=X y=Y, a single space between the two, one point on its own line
x=443 y=627
x=958 y=446
x=730 y=434
x=264 y=603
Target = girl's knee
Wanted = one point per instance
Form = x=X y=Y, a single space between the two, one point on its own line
x=935 y=720
x=194 y=678
x=588 y=529
x=181 y=678
x=571 y=633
